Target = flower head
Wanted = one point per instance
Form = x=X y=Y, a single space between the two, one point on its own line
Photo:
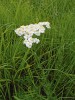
x=29 y=30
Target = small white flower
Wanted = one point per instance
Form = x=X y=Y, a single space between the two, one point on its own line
x=37 y=33
x=47 y=24
x=18 y=32
x=30 y=40
x=28 y=44
x=41 y=29
x=36 y=40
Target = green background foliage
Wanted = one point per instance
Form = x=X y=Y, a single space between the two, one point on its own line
x=47 y=70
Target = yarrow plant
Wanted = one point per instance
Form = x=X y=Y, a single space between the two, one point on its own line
x=29 y=30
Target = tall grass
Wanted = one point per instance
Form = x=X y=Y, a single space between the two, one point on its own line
x=46 y=71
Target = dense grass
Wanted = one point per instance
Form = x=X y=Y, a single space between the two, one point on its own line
x=46 y=71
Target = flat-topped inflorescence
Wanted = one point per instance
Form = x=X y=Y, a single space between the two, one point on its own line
x=29 y=30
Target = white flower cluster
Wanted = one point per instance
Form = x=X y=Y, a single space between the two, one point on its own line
x=29 y=30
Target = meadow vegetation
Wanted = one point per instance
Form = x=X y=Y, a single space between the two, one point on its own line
x=47 y=70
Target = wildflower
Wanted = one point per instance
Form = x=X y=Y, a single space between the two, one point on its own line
x=47 y=24
x=28 y=44
x=19 y=32
x=29 y=30
x=35 y=40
